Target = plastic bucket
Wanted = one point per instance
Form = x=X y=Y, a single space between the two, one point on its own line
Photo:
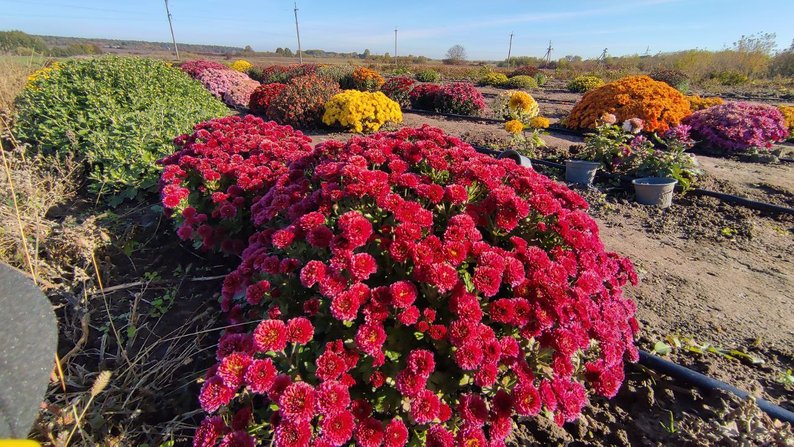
x=581 y=172
x=515 y=156
x=654 y=190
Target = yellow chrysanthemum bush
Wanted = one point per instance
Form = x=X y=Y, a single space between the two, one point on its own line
x=656 y=103
x=788 y=114
x=241 y=65
x=515 y=104
x=361 y=112
x=494 y=78
x=367 y=79
x=699 y=103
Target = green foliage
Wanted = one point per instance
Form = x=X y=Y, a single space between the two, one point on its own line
x=581 y=84
x=11 y=40
x=541 y=79
x=117 y=114
x=428 y=75
x=522 y=82
x=494 y=79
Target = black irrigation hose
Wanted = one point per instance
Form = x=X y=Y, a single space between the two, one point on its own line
x=709 y=384
x=729 y=198
x=453 y=115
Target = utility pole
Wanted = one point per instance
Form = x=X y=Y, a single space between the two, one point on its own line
x=509 y=50
x=170 y=25
x=603 y=58
x=395 y=42
x=547 y=57
x=298 y=32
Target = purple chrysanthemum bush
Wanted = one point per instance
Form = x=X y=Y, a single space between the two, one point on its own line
x=737 y=126
x=403 y=289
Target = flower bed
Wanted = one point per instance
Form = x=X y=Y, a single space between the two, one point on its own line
x=525 y=70
x=220 y=81
x=361 y=111
x=209 y=184
x=494 y=79
x=656 y=103
x=581 y=84
x=282 y=73
x=460 y=98
x=301 y=104
x=415 y=292
x=736 y=126
x=399 y=89
x=700 y=103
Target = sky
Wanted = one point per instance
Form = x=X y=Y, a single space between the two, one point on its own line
x=429 y=27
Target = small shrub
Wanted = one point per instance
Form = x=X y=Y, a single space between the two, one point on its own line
x=460 y=98
x=788 y=115
x=428 y=75
x=525 y=70
x=729 y=78
x=522 y=82
x=423 y=96
x=699 y=103
x=196 y=68
x=117 y=114
x=241 y=65
x=238 y=95
x=399 y=89
x=674 y=78
x=263 y=96
x=736 y=126
x=301 y=103
x=494 y=79
x=581 y=84
x=361 y=111
x=217 y=173
x=366 y=79
x=541 y=79
x=421 y=288
x=656 y=103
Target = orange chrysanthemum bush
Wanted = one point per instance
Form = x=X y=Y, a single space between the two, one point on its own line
x=367 y=79
x=656 y=103
x=302 y=102
x=403 y=289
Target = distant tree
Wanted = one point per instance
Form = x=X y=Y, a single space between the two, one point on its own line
x=11 y=40
x=366 y=54
x=280 y=51
x=456 y=55
x=753 y=54
x=763 y=43
x=287 y=52
x=248 y=49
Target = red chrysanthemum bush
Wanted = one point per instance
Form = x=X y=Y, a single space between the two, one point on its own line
x=209 y=184
x=398 y=89
x=423 y=96
x=404 y=288
x=302 y=103
x=263 y=96
x=461 y=98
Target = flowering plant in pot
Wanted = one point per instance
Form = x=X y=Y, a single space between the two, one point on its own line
x=404 y=289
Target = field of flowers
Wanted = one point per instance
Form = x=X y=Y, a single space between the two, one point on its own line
x=367 y=279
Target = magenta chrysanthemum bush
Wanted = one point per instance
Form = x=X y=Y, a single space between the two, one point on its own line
x=736 y=126
x=460 y=98
x=196 y=67
x=209 y=184
x=404 y=288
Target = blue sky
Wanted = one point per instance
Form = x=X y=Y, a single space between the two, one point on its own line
x=583 y=27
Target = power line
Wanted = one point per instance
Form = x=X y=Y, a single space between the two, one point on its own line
x=298 y=32
x=170 y=25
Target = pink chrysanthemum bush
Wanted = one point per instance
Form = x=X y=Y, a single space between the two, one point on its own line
x=461 y=98
x=403 y=288
x=209 y=184
x=737 y=126
x=238 y=96
x=220 y=81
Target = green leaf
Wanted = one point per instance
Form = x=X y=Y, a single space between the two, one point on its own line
x=662 y=348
